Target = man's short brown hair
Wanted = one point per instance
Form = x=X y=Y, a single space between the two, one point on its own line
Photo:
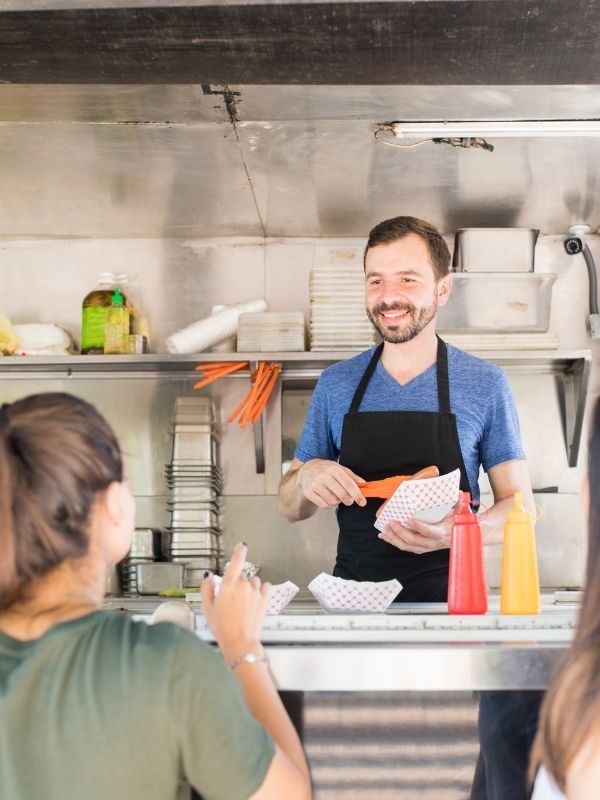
x=390 y=230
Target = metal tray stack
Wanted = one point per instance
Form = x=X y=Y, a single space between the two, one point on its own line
x=145 y=549
x=193 y=537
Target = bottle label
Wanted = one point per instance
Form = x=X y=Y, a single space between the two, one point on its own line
x=92 y=328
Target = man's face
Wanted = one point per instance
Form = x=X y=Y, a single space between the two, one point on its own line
x=402 y=293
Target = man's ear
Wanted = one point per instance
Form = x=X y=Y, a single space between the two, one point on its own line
x=444 y=288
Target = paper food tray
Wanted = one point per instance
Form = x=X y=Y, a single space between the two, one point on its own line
x=412 y=497
x=339 y=595
x=280 y=596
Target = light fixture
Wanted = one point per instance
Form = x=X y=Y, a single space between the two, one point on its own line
x=491 y=129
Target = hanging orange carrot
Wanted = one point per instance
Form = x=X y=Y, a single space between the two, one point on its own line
x=213 y=373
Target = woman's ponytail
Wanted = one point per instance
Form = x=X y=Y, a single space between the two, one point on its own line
x=8 y=577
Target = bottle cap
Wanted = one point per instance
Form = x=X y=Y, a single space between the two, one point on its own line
x=464 y=515
x=518 y=513
x=117 y=298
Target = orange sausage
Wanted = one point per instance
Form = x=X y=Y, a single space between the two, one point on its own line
x=387 y=486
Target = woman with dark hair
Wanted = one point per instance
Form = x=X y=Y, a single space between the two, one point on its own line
x=93 y=704
x=568 y=740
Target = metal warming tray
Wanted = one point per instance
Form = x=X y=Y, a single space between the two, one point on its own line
x=492 y=303
x=494 y=249
x=158 y=577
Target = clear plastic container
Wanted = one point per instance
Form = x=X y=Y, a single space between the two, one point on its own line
x=493 y=303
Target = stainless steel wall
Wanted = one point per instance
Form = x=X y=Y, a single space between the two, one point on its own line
x=177 y=282
x=165 y=161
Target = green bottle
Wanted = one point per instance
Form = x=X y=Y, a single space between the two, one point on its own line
x=116 y=327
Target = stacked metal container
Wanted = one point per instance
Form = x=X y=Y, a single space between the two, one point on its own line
x=145 y=549
x=194 y=479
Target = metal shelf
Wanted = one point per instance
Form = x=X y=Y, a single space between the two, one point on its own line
x=315 y=361
x=571 y=367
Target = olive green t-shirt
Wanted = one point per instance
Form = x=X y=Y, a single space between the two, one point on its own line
x=106 y=708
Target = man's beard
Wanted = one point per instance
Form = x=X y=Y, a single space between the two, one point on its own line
x=419 y=318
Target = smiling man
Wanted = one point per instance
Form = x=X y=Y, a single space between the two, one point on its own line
x=410 y=403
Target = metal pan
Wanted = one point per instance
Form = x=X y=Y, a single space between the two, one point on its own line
x=186 y=539
x=196 y=563
x=157 y=577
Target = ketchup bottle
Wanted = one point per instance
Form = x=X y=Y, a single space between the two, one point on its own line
x=467 y=591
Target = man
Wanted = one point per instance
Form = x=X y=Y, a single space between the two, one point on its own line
x=410 y=403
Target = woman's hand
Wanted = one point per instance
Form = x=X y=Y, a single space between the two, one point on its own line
x=236 y=614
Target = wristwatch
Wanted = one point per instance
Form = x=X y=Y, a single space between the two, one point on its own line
x=248 y=658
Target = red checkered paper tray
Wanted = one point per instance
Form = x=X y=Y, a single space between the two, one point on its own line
x=428 y=499
x=337 y=594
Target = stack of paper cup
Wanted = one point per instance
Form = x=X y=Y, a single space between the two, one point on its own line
x=210 y=331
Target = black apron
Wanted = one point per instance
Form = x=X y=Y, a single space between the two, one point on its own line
x=379 y=444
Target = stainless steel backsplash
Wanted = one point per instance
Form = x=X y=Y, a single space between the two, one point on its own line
x=177 y=282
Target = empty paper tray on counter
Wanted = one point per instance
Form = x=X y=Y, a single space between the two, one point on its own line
x=280 y=596
x=342 y=596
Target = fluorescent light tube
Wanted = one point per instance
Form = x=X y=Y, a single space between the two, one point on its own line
x=503 y=128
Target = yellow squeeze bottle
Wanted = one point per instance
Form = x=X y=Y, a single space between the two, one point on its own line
x=116 y=327
x=520 y=587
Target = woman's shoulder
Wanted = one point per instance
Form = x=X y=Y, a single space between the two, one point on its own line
x=118 y=632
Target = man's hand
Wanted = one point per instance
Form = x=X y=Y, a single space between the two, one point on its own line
x=420 y=537
x=327 y=483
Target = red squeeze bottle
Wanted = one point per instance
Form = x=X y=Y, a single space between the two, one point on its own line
x=467 y=591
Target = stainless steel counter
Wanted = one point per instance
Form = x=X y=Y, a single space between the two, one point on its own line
x=409 y=648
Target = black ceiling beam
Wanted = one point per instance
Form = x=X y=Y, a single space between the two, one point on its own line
x=363 y=43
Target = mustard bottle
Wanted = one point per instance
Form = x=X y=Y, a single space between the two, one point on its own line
x=520 y=586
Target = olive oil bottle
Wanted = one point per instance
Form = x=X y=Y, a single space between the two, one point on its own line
x=94 y=311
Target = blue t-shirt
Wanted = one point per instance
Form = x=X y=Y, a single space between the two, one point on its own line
x=480 y=398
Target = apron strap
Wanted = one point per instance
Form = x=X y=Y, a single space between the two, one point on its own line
x=364 y=381
x=442 y=378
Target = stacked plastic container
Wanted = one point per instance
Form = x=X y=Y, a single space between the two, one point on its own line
x=193 y=537
x=271 y=331
x=338 y=320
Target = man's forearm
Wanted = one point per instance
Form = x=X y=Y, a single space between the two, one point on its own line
x=292 y=503
x=493 y=521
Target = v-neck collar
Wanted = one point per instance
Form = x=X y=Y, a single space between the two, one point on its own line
x=382 y=371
